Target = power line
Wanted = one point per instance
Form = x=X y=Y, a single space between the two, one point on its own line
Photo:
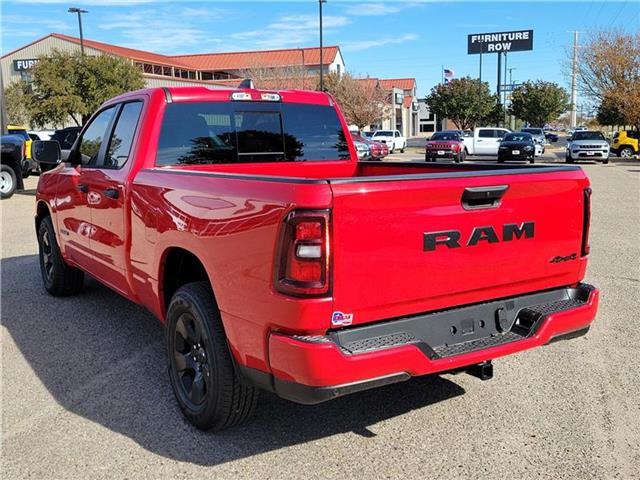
x=618 y=14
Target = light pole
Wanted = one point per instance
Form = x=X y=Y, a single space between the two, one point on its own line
x=511 y=119
x=320 y=2
x=79 y=11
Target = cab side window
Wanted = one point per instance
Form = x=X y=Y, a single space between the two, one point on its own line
x=485 y=133
x=122 y=136
x=93 y=136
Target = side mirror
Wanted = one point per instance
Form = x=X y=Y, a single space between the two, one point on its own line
x=46 y=152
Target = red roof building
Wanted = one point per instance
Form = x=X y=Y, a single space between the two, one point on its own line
x=291 y=68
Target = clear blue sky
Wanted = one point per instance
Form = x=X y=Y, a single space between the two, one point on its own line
x=383 y=39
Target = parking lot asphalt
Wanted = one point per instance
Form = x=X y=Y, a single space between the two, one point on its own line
x=85 y=392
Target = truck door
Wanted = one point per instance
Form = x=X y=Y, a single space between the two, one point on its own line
x=106 y=197
x=486 y=142
x=73 y=216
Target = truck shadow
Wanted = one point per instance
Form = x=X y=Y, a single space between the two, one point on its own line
x=102 y=357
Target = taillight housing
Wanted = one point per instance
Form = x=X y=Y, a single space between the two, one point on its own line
x=586 y=222
x=303 y=262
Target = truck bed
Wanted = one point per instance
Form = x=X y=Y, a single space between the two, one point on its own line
x=381 y=212
x=346 y=172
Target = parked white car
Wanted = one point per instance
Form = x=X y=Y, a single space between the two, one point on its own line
x=485 y=140
x=393 y=139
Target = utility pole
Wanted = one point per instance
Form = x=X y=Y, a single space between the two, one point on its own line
x=574 y=75
x=79 y=11
x=511 y=69
x=320 y=2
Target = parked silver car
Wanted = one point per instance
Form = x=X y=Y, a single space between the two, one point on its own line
x=588 y=145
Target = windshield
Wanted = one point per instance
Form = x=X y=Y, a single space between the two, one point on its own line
x=383 y=133
x=534 y=131
x=517 y=137
x=20 y=132
x=445 y=136
x=588 y=136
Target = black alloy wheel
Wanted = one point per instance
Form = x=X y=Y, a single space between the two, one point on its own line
x=190 y=360
x=59 y=279
x=46 y=257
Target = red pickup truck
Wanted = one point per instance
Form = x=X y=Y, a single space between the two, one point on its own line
x=242 y=219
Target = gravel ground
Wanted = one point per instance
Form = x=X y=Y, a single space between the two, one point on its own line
x=85 y=392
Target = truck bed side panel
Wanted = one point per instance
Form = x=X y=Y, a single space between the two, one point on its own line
x=232 y=226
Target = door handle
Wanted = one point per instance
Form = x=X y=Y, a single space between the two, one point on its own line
x=83 y=187
x=474 y=198
x=111 y=193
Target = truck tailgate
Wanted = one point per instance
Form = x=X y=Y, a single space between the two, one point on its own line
x=384 y=267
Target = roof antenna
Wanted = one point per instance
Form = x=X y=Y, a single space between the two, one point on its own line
x=246 y=83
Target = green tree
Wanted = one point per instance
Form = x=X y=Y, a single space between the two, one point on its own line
x=16 y=99
x=538 y=103
x=609 y=113
x=465 y=101
x=496 y=115
x=68 y=85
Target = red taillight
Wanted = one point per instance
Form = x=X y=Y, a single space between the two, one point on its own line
x=586 y=222
x=302 y=268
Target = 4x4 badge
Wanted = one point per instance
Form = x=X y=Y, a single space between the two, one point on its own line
x=559 y=258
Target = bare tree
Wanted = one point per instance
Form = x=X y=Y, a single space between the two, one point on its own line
x=609 y=69
x=362 y=101
x=288 y=77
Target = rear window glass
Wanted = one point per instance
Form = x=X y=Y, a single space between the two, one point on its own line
x=518 y=137
x=486 y=133
x=220 y=132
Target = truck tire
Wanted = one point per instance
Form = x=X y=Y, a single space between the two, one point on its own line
x=59 y=279
x=8 y=181
x=203 y=378
x=403 y=147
